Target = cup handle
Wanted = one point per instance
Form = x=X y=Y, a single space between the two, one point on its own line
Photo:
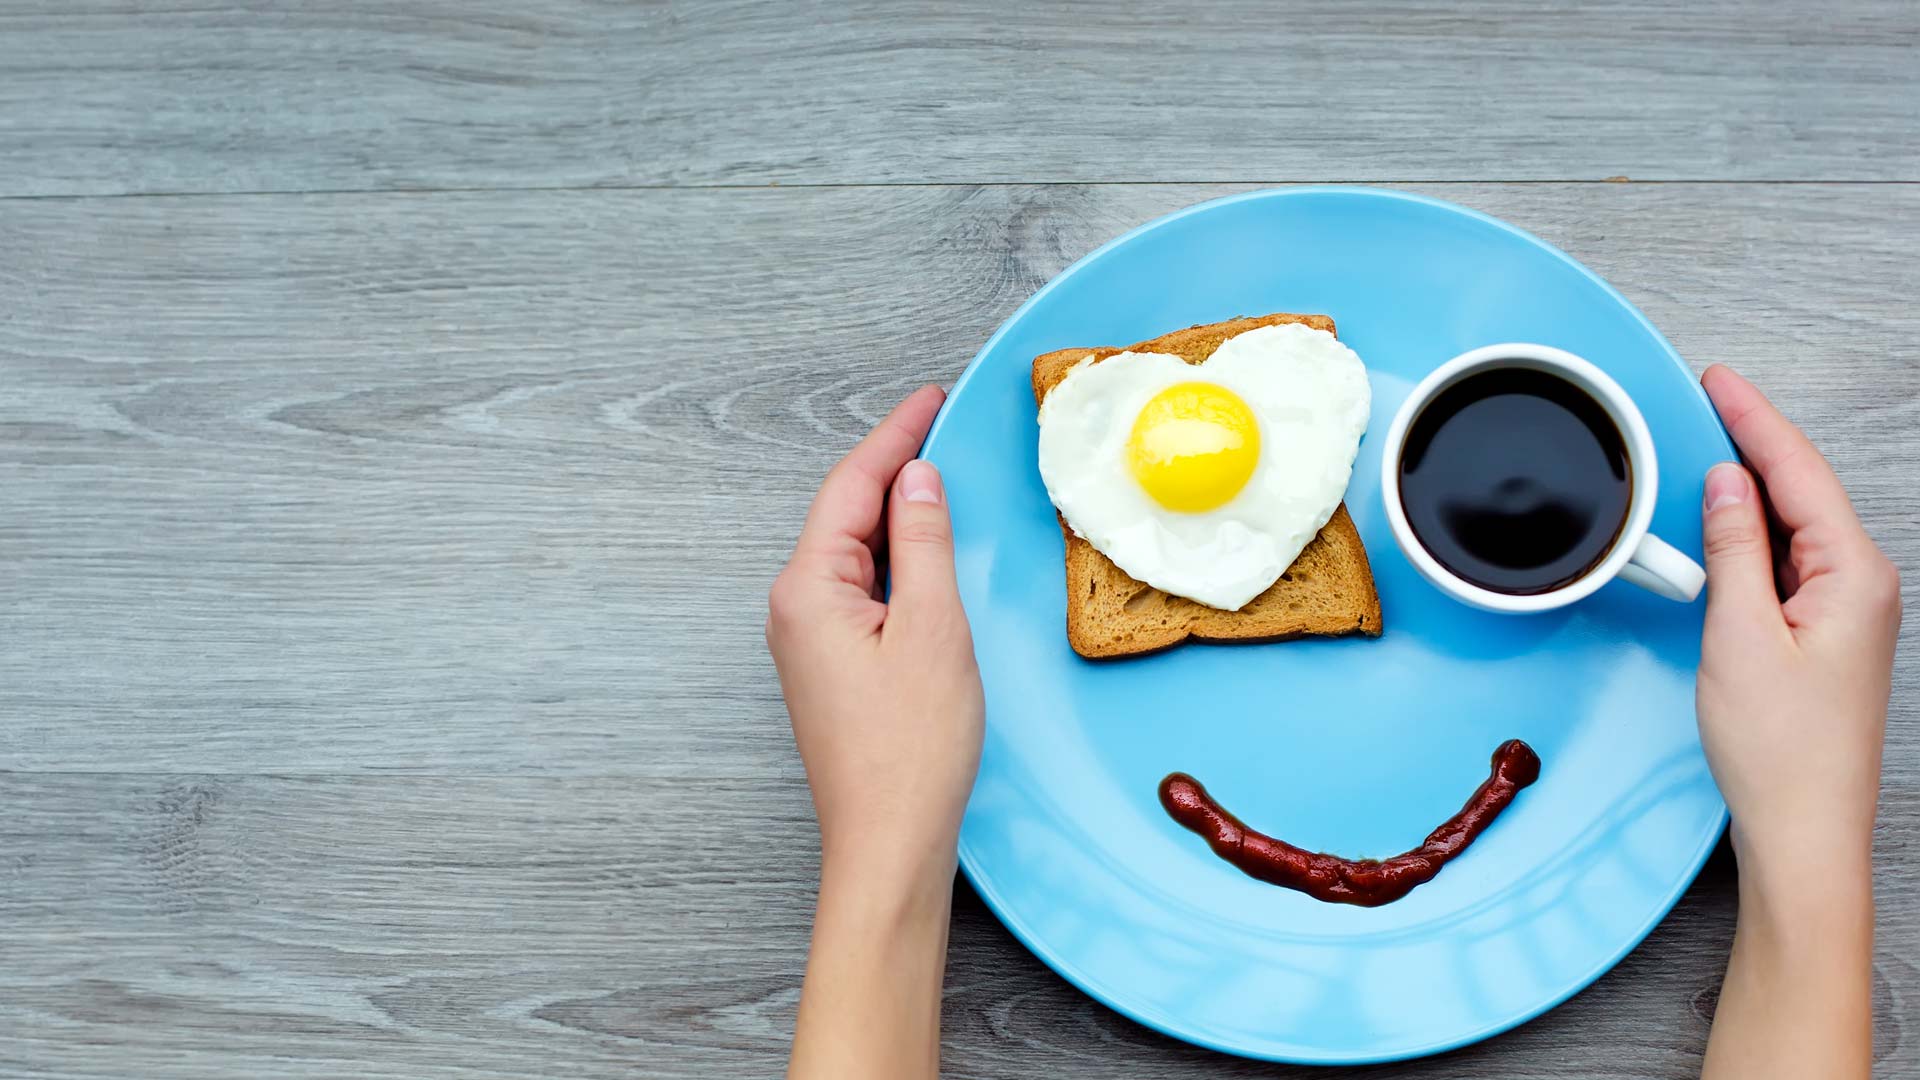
x=1658 y=567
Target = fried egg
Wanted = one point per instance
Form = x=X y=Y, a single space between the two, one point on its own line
x=1206 y=480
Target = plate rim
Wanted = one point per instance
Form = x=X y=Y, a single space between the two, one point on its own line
x=1170 y=1026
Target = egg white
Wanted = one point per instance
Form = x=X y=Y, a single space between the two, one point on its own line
x=1309 y=396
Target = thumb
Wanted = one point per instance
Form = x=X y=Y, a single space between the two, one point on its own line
x=1739 y=557
x=920 y=546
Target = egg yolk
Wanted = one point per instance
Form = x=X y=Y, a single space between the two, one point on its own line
x=1193 y=446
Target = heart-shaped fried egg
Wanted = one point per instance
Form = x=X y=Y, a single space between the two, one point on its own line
x=1206 y=480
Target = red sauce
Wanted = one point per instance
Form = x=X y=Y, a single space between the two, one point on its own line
x=1366 y=882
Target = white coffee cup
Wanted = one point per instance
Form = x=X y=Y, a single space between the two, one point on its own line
x=1636 y=556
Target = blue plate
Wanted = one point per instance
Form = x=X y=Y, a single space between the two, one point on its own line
x=1354 y=746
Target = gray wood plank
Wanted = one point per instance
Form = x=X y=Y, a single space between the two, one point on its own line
x=496 y=482
x=181 y=926
x=493 y=484
x=101 y=97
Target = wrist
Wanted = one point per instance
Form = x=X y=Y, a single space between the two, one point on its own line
x=887 y=879
x=898 y=911
x=1799 y=854
x=1804 y=891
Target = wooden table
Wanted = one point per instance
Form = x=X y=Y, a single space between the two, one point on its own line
x=404 y=407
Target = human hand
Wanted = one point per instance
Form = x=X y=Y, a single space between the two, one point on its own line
x=885 y=697
x=1792 y=696
x=887 y=711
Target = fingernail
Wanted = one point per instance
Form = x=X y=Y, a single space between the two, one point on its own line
x=920 y=482
x=1727 y=485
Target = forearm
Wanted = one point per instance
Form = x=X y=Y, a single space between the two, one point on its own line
x=870 y=1005
x=1797 y=1000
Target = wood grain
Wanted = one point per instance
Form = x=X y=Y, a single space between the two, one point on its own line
x=489 y=486
x=102 y=97
x=172 y=926
x=496 y=482
x=382 y=566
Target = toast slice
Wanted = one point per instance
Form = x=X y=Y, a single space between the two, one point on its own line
x=1328 y=591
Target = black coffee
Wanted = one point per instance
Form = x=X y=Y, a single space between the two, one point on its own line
x=1515 y=480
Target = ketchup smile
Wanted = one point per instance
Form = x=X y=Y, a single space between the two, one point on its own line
x=1365 y=882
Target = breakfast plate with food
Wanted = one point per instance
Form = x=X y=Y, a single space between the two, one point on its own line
x=1336 y=621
